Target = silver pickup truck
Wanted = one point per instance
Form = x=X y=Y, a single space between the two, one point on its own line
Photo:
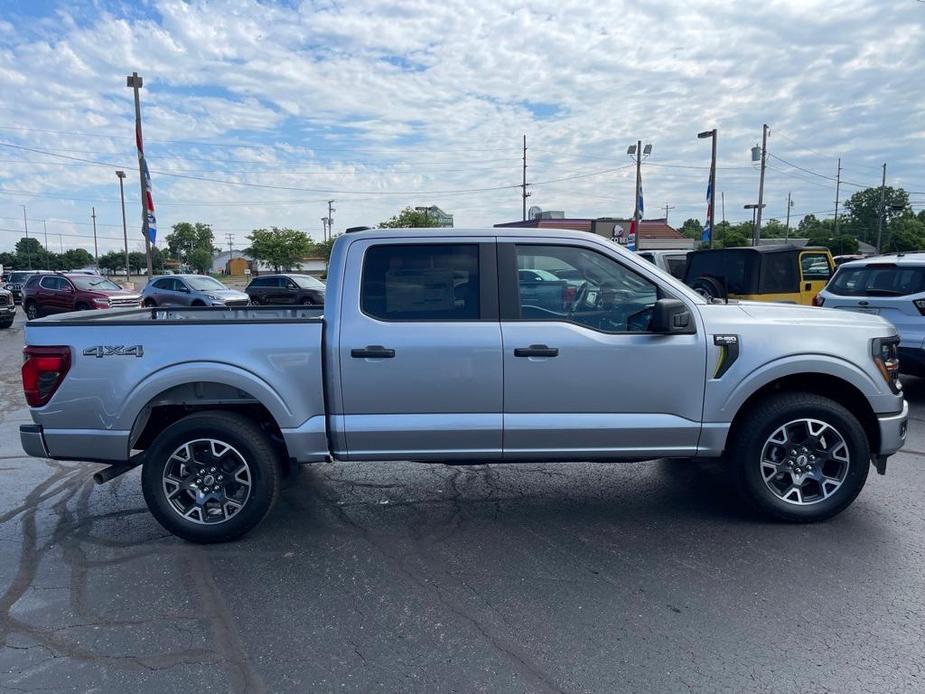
x=432 y=346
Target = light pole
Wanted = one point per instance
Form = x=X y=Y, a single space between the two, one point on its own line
x=135 y=82
x=637 y=152
x=787 y=231
x=324 y=228
x=45 y=227
x=121 y=174
x=711 y=197
x=756 y=217
x=26 y=225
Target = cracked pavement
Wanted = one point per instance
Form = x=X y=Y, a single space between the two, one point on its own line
x=410 y=577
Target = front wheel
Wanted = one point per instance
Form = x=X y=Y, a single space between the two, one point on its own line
x=32 y=310
x=800 y=457
x=149 y=303
x=6 y=324
x=211 y=477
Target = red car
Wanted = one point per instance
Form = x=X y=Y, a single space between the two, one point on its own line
x=61 y=292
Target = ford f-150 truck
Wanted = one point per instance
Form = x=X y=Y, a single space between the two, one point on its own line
x=428 y=350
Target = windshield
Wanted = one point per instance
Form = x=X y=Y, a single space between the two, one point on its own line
x=95 y=284
x=307 y=281
x=204 y=283
x=18 y=277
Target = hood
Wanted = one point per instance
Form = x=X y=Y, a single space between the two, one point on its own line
x=226 y=293
x=114 y=293
x=796 y=314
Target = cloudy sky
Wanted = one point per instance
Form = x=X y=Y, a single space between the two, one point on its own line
x=257 y=113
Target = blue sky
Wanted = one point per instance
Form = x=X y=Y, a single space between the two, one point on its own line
x=257 y=113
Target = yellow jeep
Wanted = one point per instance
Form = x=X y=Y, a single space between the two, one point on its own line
x=785 y=273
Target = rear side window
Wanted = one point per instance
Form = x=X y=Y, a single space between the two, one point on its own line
x=878 y=280
x=737 y=269
x=31 y=281
x=426 y=282
x=49 y=282
x=815 y=266
x=260 y=282
x=677 y=267
x=779 y=273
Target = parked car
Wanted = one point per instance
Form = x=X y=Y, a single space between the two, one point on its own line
x=891 y=286
x=46 y=294
x=7 y=309
x=190 y=290
x=785 y=273
x=674 y=262
x=286 y=289
x=401 y=364
x=17 y=279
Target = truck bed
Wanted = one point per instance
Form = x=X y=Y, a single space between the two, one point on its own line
x=186 y=314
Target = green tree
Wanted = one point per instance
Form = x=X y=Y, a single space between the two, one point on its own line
x=187 y=237
x=906 y=233
x=323 y=249
x=201 y=260
x=735 y=237
x=280 y=248
x=76 y=258
x=113 y=262
x=843 y=244
x=773 y=229
x=9 y=261
x=137 y=262
x=409 y=218
x=692 y=229
x=862 y=210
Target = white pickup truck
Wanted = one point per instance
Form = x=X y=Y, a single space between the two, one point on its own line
x=433 y=346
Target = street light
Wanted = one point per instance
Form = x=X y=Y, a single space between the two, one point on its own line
x=121 y=174
x=712 y=197
x=638 y=153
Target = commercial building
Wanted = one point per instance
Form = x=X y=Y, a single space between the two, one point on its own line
x=435 y=214
x=653 y=234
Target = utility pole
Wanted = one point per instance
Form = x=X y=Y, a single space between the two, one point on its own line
x=667 y=207
x=324 y=229
x=45 y=227
x=230 y=238
x=121 y=174
x=722 y=197
x=837 y=191
x=135 y=82
x=787 y=231
x=26 y=225
x=523 y=186
x=96 y=250
x=756 y=233
x=882 y=209
x=331 y=211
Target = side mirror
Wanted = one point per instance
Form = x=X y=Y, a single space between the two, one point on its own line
x=184 y=289
x=671 y=317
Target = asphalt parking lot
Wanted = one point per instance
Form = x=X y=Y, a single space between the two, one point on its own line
x=502 y=578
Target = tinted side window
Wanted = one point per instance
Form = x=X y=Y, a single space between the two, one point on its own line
x=677 y=266
x=779 y=273
x=259 y=282
x=427 y=282
x=49 y=282
x=162 y=284
x=31 y=281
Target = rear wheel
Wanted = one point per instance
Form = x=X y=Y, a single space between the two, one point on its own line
x=32 y=310
x=800 y=457
x=211 y=477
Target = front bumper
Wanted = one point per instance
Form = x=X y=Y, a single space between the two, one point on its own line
x=8 y=310
x=893 y=431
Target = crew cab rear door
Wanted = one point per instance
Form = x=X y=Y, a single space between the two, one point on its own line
x=586 y=379
x=420 y=349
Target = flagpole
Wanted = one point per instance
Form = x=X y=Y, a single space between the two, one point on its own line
x=711 y=187
x=135 y=82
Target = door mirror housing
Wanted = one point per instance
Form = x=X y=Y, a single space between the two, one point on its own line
x=672 y=317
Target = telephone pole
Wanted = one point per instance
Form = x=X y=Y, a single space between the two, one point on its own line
x=882 y=211
x=230 y=238
x=756 y=233
x=667 y=207
x=45 y=227
x=121 y=175
x=787 y=231
x=135 y=82
x=96 y=250
x=523 y=185
x=837 y=192
x=26 y=225
x=331 y=211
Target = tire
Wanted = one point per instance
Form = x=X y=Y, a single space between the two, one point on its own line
x=197 y=303
x=32 y=310
x=81 y=307
x=218 y=440
x=6 y=324
x=149 y=303
x=307 y=302
x=709 y=288
x=799 y=482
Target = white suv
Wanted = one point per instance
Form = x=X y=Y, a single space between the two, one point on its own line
x=891 y=286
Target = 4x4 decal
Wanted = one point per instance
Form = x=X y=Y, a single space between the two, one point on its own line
x=100 y=351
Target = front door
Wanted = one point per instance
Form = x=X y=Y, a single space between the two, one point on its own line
x=420 y=350
x=816 y=269
x=583 y=377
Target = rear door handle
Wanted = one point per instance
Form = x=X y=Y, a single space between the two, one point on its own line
x=372 y=352
x=536 y=351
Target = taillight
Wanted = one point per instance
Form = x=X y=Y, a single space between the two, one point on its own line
x=920 y=305
x=43 y=369
x=818 y=300
x=886 y=356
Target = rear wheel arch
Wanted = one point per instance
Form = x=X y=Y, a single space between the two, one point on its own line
x=826 y=385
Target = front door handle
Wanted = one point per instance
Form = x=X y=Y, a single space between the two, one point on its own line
x=536 y=351
x=808 y=286
x=372 y=352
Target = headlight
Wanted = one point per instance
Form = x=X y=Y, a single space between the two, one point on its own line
x=213 y=297
x=101 y=302
x=885 y=351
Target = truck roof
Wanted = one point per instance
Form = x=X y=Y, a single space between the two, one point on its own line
x=506 y=232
